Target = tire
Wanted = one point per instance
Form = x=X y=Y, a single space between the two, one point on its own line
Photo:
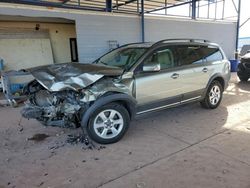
x=213 y=96
x=243 y=79
x=108 y=124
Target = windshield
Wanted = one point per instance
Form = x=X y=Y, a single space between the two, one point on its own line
x=123 y=57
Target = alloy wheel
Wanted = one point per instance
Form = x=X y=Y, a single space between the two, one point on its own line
x=108 y=124
x=214 y=95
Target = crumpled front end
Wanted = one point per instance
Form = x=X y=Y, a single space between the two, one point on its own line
x=65 y=108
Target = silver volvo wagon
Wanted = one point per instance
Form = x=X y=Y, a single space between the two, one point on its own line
x=104 y=96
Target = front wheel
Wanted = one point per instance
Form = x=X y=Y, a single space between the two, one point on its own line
x=213 y=96
x=108 y=124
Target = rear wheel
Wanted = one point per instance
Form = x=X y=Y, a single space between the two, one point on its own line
x=108 y=124
x=213 y=96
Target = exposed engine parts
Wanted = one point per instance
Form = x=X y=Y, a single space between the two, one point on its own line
x=53 y=108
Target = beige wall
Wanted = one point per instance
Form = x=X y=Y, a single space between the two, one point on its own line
x=59 y=35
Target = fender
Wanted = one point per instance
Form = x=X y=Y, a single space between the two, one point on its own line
x=130 y=101
x=217 y=75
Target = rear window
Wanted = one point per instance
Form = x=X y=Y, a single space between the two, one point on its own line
x=212 y=53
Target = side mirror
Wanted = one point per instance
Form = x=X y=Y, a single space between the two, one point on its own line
x=152 y=67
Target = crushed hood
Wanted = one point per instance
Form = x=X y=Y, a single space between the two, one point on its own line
x=58 y=77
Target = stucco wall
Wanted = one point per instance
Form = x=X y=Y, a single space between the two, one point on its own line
x=219 y=32
x=93 y=32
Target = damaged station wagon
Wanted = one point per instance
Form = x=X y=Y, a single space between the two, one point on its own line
x=132 y=80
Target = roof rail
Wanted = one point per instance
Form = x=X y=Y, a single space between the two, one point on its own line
x=181 y=39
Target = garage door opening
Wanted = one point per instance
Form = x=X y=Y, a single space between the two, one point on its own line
x=28 y=42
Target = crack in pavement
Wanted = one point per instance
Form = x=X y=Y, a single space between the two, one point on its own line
x=164 y=157
x=226 y=155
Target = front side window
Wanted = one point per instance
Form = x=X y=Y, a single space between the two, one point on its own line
x=163 y=56
x=123 y=57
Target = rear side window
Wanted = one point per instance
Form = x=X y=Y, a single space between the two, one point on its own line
x=188 y=55
x=197 y=54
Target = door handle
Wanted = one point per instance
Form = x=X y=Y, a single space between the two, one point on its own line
x=175 y=75
x=204 y=70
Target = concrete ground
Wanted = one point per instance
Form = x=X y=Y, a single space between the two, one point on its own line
x=182 y=147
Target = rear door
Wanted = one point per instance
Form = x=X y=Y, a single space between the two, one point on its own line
x=203 y=60
x=189 y=63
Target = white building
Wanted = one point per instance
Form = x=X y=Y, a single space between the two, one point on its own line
x=36 y=35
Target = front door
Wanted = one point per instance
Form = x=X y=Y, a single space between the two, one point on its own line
x=163 y=88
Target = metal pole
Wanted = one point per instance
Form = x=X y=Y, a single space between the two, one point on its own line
x=166 y=4
x=142 y=22
x=245 y=22
x=194 y=9
x=138 y=9
x=108 y=5
x=223 y=10
x=208 y=9
x=190 y=10
x=198 y=10
x=215 y=16
x=234 y=5
x=238 y=27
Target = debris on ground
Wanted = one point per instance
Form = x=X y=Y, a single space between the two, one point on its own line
x=38 y=137
x=56 y=146
x=140 y=184
x=20 y=129
x=73 y=139
x=101 y=147
x=40 y=184
x=83 y=139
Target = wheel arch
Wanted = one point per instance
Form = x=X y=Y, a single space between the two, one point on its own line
x=221 y=80
x=217 y=77
x=124 y=99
